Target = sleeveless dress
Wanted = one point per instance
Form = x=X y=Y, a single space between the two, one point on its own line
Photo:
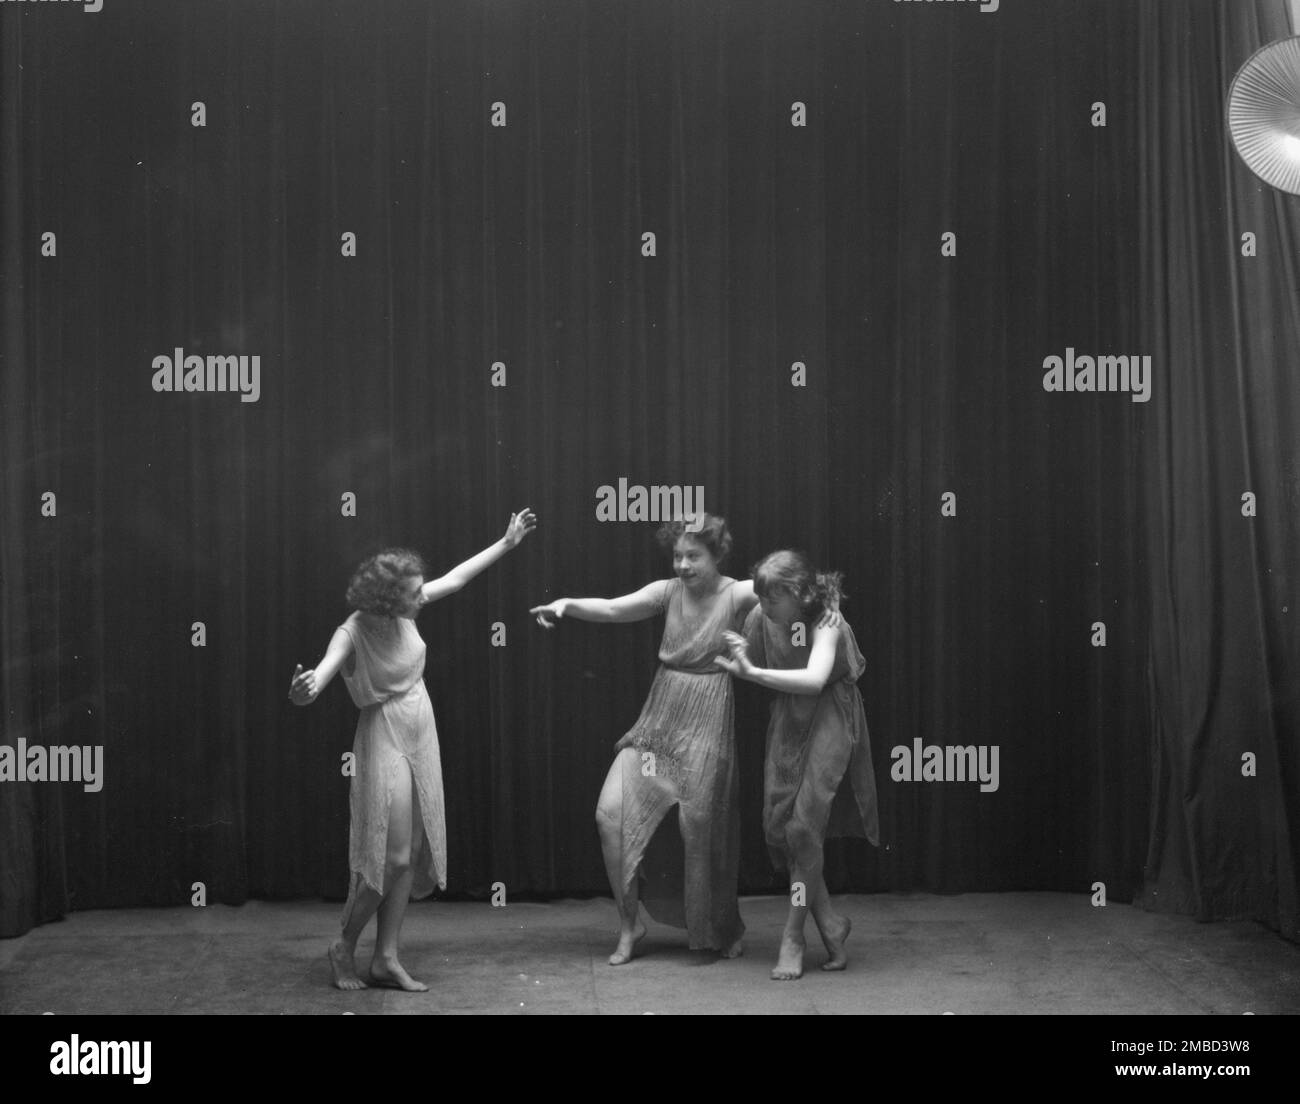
x=818 y=777
x=396 y=723
x=686 y=744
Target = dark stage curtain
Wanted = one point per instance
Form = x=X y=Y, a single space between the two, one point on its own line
x=1223 y=654
x=820 y=244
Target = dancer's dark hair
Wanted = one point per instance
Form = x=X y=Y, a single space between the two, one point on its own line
x=712 y=533
x=379 y=584
x=791 y=571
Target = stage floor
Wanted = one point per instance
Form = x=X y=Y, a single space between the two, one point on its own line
x=1019 y=953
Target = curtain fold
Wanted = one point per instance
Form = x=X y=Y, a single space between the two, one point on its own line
x=1223 y=651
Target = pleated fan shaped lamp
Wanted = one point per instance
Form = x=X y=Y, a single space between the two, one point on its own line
x=1264 y=114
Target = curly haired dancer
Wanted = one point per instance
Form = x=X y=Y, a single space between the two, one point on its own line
x=397 y=841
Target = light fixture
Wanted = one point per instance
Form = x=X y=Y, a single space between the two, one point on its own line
x=1264 y=114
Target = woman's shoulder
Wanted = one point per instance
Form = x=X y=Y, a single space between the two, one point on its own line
x=845 y=629
x=361 y=623
x=739 y=593
x=842 y=631
x=847 y=652
x=353 y=627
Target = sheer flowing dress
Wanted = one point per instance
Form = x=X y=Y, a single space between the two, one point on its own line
x=686 y=757
x=818 y=777
x=396 y=723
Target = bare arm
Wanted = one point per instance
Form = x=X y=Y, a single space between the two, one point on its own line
x=746 y=599
x=521 y=524
x=811 y=680
x=308 y=685
x=636 y=606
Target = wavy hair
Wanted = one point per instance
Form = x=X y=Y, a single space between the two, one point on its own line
x=792 y=572
x=713 y=534
x=378 y=585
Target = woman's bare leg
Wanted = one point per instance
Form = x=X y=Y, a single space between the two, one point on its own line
x=805 y=835
x=808 y=894
x=789 y=959
x=609 y=820
x=398 y=875
x=808 y=859
x=804 y=868
x=362 y=904
x=833 y=927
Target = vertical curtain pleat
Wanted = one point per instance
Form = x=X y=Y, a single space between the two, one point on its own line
x=1223 y=644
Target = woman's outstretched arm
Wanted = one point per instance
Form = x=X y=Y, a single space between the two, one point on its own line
x=521 y=524
x=306 y=686
x=810 y=680
x=637 y=606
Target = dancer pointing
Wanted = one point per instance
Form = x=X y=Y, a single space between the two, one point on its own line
x=397 y=841
x=816 y=738
x=681 y=751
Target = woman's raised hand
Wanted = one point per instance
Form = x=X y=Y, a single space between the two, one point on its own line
x=302 y=691
x=548 y=614
x=521 y=524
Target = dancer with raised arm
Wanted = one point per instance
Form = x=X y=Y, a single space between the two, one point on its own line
x=681 y=751
x=818 y=779
x=397 y=841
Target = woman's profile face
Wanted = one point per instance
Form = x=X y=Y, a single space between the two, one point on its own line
x=693 y=563
x=411 y=596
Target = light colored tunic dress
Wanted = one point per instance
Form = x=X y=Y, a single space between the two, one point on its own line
x=818 y=778
x=687 y=756
x=396 y=723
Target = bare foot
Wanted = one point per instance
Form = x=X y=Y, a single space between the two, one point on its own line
x=388 y=974
x=627 y=941
x=735 y=950
x=344 y=969
x=834 y=936
x=789 y=960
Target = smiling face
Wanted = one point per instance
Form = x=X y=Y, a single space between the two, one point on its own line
x=693 y=563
